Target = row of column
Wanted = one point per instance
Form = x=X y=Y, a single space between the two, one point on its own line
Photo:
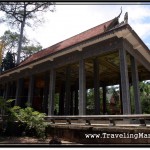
x=125 y=95
x=68 y=105
x=8 y=91
x=66 y=88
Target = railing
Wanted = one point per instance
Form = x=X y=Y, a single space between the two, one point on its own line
x=87 y=119
x=141 y=118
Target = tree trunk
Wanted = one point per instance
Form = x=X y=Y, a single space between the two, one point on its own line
x=1 y=56
x=20 y=41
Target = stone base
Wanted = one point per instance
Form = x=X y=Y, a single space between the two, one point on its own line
x=101 y=135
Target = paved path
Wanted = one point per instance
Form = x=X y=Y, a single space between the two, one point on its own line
x=27 y=140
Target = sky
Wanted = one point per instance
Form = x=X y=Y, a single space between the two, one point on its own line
x=69 y=20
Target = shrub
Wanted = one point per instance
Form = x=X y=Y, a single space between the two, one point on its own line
x=32 y=120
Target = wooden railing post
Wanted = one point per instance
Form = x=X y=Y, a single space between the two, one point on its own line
x=53 y=121
x=68 y=121
x=88 y=122
x=112 y=122
x=142 y=122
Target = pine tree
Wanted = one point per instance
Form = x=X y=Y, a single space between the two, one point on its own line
x=19 y=14
x=8 y=61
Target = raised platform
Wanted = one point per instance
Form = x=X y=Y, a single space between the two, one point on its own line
x=101 y=134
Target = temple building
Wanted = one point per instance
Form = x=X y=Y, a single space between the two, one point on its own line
x=108 y=54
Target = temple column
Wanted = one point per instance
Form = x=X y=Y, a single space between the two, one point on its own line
x=124 y=82
x=121 y=105
x=11 y=90
x=19 y=91
x=45 y=94
x=71 y=102
x=6 y=96
x=82 y=88
x=76 y=101
x=68 y=96
x=31 y=89
x=135 y=81
x=51 y=92
x=104 y=100
x=96 y=86
x=1 y=91
x=61 y=99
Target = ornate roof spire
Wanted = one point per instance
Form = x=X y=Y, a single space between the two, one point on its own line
x=126 y=17
x=120 y=13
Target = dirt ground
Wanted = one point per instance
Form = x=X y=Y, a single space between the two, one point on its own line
x=27 y=140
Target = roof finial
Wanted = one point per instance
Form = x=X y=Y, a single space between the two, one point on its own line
x=120 y=13
x=126 y=17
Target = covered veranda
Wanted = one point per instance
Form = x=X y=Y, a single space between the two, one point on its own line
x=108 y=54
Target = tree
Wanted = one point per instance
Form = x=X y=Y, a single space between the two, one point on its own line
x=144 y=87
x=10 y=43
x=33 y=122
x=8 y=62
x=30 y=49
x=21 y=13
x=116 y=97
x=90 y=101
x=145 y=96
x=56 y=104
x=28 y=118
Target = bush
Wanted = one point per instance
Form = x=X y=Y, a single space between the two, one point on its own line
x=32 y=120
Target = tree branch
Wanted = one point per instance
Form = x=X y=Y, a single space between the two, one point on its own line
x=12 y=13
x=37 y=6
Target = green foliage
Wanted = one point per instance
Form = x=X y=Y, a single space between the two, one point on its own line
x=5 y=105
x=27 y=117
x=17 y=12
x=145 y=96
x=8 y=62
x=56 y=103
x=30 y=118
x=90 y=99
x=10 y=41
x=117 y=99
x=20 y=14
x=30 y=49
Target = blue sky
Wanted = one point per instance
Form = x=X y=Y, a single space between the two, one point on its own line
x=69 y=20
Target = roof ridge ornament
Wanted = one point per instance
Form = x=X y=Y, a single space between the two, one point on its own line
x=126 y=18
x=120 y=13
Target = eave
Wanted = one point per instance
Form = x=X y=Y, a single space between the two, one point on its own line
x=124 y=31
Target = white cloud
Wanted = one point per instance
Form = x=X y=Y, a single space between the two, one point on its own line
x=143 y=29
x=138 y=12
x=69 y=20
x=139 y=19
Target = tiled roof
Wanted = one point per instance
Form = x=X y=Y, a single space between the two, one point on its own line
x=70 y=41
